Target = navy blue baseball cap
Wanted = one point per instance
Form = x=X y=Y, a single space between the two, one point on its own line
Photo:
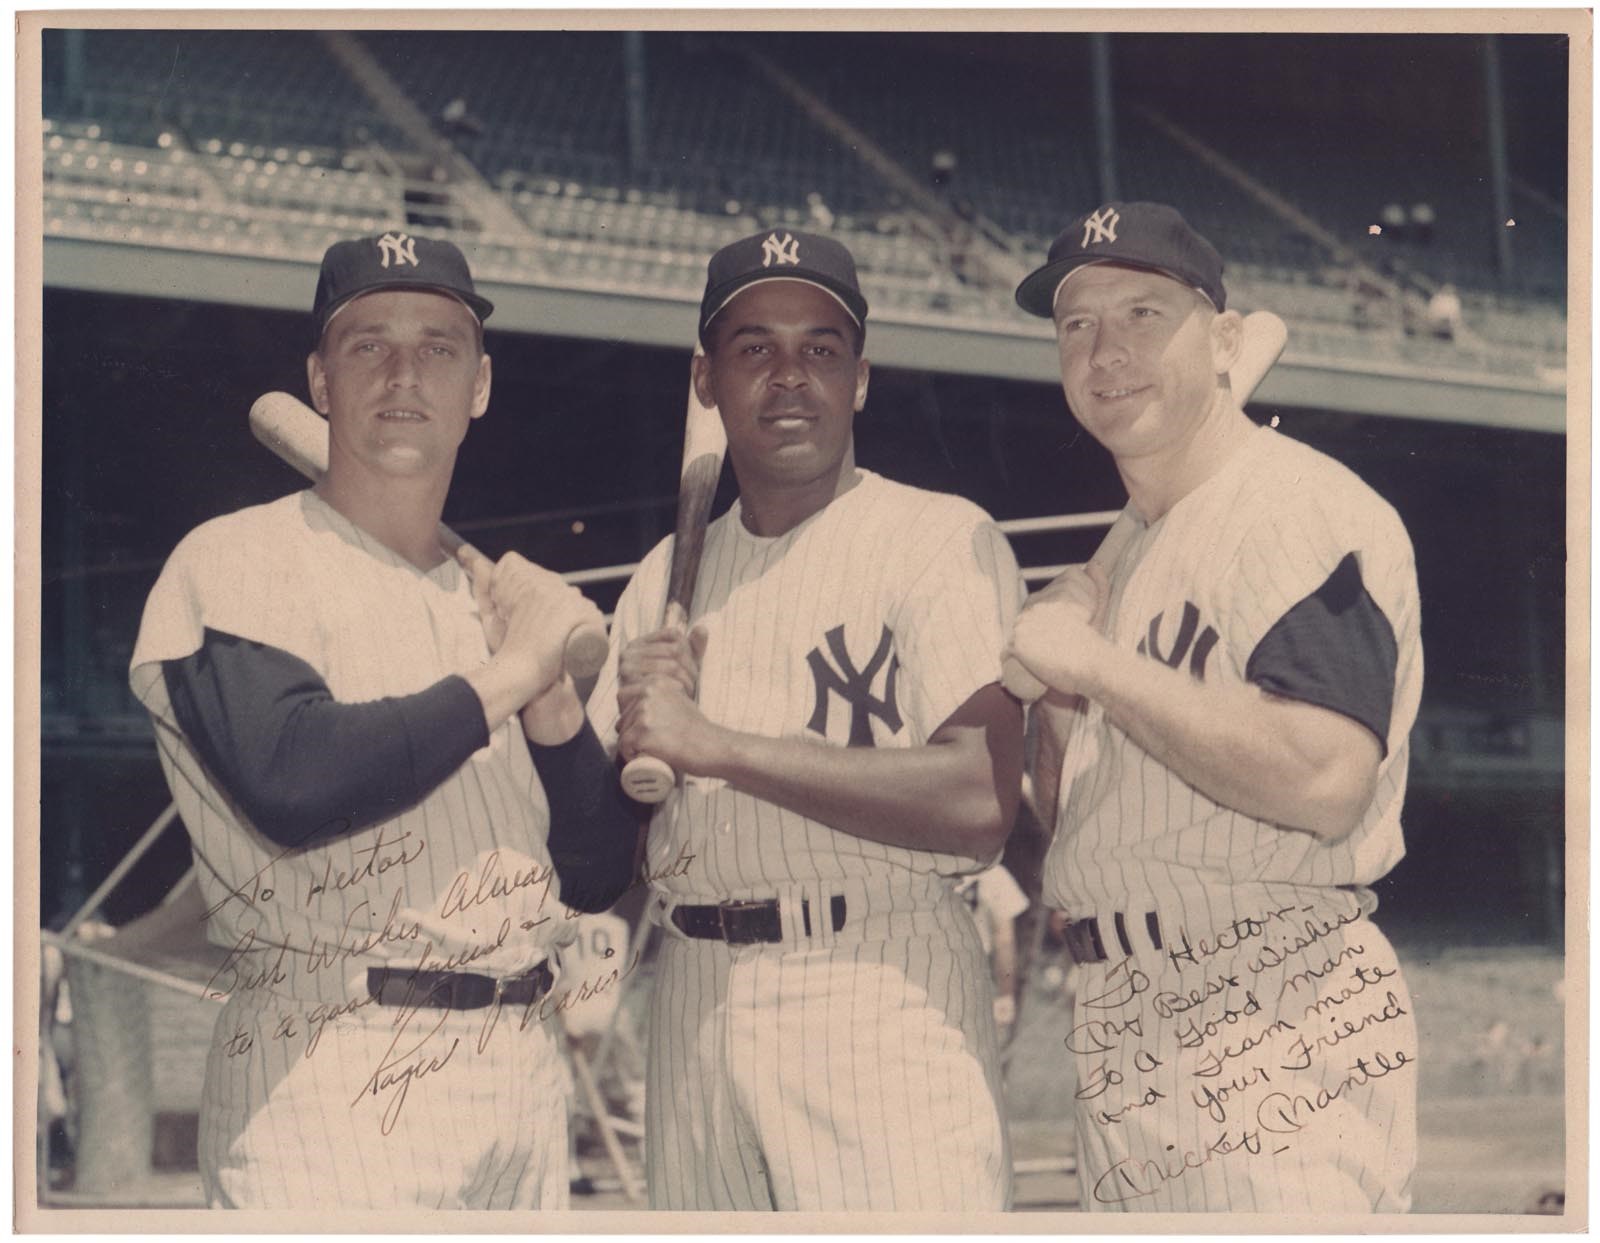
x=393 y=261
x=1152 y=236
x=782 y=255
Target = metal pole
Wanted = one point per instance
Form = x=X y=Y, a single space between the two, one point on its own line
x=1105 y=128
x=602 y=1118
x=140 y=848
x=152 y=975
x=1499 y=176
x=73 y=74
x=633 y=87
x=77 y=654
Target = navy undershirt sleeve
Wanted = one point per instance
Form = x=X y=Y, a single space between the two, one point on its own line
x=304 y=767
x=594 y=826
x=1334 y=649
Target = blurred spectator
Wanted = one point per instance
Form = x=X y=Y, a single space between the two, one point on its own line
x=1422 y=222
x=1444 y=313
x=818 y=214
x=942 y=168
x=1393 y=220
x=600 y=948
x=598 y=953
x=456 y=121
x=57 y=1110
x=996 y=901
x=959 y=241
x=55 y=1056
x=1413 y=312
x=1368 y=303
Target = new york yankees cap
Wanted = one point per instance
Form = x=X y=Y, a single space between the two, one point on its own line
x=782 y=255
x=1141 y=235
x=393 y=261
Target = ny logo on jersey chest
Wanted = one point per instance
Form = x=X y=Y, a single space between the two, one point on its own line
x=1184 y=643
x=854 y=686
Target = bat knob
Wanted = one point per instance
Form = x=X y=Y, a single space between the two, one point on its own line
x=586 y=651
x=1015 y=677
x=646 y=779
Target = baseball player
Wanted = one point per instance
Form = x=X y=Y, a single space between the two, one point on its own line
x=1231 y=701
x=594 y=966
x=389 y=785
x=996 y=901
x=822 y=1034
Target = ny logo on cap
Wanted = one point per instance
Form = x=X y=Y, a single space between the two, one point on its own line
x=780 y=252
x=402 y=249
x=1100 y=227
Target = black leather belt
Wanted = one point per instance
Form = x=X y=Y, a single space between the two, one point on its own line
x=1087 y=939
x=747 y=923
x=455 y=990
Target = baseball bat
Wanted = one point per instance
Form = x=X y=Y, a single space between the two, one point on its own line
x=1265 y=335
x=299 y=436
x=644 y=777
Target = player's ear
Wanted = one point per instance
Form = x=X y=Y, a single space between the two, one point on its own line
x=480 y=387
x=863 y=374
x=700 y=373
x=317 y=382
x=1227 y=340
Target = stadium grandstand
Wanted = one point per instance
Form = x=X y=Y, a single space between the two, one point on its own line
x=1399 y=200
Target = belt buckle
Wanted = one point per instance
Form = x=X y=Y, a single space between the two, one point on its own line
x=738 y=934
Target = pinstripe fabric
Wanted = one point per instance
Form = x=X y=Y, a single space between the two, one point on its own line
x=1274 y=1071
x=861 y=1077
x=1238 y=553
x=461 y=878
x=1244 y=548
x=857 y=1071
x=473 y=1127
x=931 y=569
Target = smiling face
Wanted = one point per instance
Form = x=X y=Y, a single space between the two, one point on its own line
x=1140 y=356
x=400 y=375
x=783 y=368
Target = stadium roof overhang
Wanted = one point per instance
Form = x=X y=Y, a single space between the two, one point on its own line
x=665 y=318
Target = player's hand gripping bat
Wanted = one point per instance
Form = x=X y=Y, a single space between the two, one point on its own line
x=644 y=777
x=1265 y=335
x=299 y=435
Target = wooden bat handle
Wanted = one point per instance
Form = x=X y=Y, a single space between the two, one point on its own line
x=586 y=651
x=299 y=436
x=696 y=490
x=587 y=646
x=645 y=778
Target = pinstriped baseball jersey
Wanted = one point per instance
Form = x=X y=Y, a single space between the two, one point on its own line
x=1248 y=1041
x=297 y=575
x=1200 y=589
x=868 y=624
x=314 y=1094
x=849 y=1068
